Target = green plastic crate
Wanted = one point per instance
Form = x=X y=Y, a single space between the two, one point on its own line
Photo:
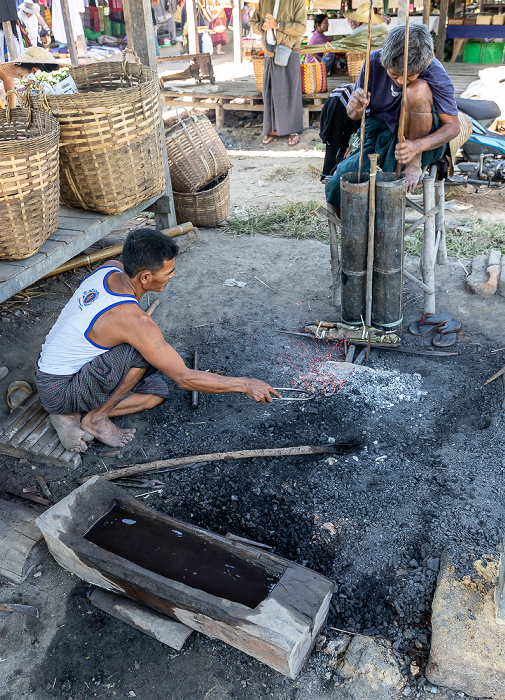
x=479 y=52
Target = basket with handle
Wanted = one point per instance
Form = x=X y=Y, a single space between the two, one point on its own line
x=313 y=76
x=258 y=69
x=29 y=180
x=208 y=207
x=111 y=154
x=196 y=154
x=355 y=60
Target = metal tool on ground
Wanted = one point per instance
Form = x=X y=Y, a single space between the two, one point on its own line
x=371 y=238
x=196 y=460
x=401 y=123
x=301 y=394
x=194 y=394
x=111 y=251
x=138 y=482
x=16 y=608
x=365 y=86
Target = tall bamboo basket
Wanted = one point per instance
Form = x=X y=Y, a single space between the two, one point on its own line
x=355 y=60
x=111 y=154
x=258 y=69
x=205 y=208
x=29 y=181
x=196 y=154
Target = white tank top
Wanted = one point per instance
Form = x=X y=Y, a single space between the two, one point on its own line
x=67 y=346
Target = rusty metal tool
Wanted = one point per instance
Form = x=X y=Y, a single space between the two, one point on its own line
x=23 y=609
x=306 y=395
x=138 y=482
x=194 y=394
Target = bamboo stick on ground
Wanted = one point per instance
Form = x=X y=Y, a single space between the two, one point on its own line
x=111 y=251
x=169 y=464
x=365 y=86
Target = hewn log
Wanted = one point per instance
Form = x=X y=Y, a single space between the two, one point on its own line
x=21 y=543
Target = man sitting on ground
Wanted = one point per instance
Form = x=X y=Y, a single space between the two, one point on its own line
x=431 y=118
x=101 y=356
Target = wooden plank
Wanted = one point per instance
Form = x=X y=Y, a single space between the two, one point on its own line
x=24 y=417
x=50 y=446
x=36 y=434
x=41 y=459
x=21 y=542
x=28 y=428
x=28 y=271
x=43 y=440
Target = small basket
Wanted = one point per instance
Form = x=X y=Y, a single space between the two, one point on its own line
x=208 y=207
x=29 y=181
x=258 y=69
x=355 y=60
x=313 y=76
x=196 y=154
x=111 y=154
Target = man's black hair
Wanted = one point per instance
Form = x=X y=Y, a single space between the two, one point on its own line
x=147 y=249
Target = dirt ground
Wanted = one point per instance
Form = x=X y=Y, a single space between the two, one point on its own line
x=428 y=476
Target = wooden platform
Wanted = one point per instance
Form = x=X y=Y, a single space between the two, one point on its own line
x=28 y=433
x=77 y=229
x=240 y=94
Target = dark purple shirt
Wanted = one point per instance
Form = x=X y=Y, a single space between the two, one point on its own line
x=386 y=97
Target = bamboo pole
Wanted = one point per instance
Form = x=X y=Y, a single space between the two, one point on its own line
x=365 y=86
x=401 y=124
x=112 y=250
x=371 y=238
x=10 y=41
x=69 y=33
x=163 y=465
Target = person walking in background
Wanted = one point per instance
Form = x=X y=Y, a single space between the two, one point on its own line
x=281 y=24
x=218 y=27
x=29 y=14
x=319 y=37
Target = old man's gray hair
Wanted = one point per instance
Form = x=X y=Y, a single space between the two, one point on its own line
x=420 y=49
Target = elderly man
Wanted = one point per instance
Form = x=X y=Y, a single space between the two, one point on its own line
x=431 y=118
x=100 y=358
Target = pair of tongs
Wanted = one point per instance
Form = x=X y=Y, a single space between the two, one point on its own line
x=302 y=394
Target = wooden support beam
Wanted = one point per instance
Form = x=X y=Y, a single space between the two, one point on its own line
x=193 y=42
x=442 y=21
x=69 y=32
x=140 y=30
x=426 y=12
x=10 y=41
x=237 y=32
x=403 y=11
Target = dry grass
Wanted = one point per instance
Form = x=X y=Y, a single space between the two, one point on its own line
x=293 y=220
x=280 y=172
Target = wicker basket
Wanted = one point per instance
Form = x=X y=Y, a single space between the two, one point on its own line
x=29 y=181
x=196 y=154
x=258 y=68
x=111 y=155
x=355 y=60
x=205 y=208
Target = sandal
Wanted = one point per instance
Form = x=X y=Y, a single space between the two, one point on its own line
x=447 y=334
x=428 y=322
x=293 y=139
x=268 y=138
x=17 y=393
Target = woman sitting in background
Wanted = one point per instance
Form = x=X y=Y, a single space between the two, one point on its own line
x=319 y=37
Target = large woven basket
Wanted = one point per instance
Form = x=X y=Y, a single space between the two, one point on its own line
x=258 y=68
x=196 y=154
x=111 y=154
x=313 y=76
x=29 y=181
x=355 y=60
x=205 y=208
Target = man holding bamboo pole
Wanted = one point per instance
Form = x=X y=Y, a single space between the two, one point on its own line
x=431 y=116
x=100 y=358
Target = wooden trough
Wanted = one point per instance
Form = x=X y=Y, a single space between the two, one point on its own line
x=262 y=604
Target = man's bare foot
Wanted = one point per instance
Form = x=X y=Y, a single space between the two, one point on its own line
x=72 y=437
x=412 y=174
x=106 y=431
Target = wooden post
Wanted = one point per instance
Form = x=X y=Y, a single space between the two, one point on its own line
x=193 y=41
x=371 y=238
x=69 y=32
x=442 y=21
x=440 y=221
x=428 y=252
x=403 y=10
x=237 y=32
x=426 y=12
x=140 y=30
x=9 y=38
